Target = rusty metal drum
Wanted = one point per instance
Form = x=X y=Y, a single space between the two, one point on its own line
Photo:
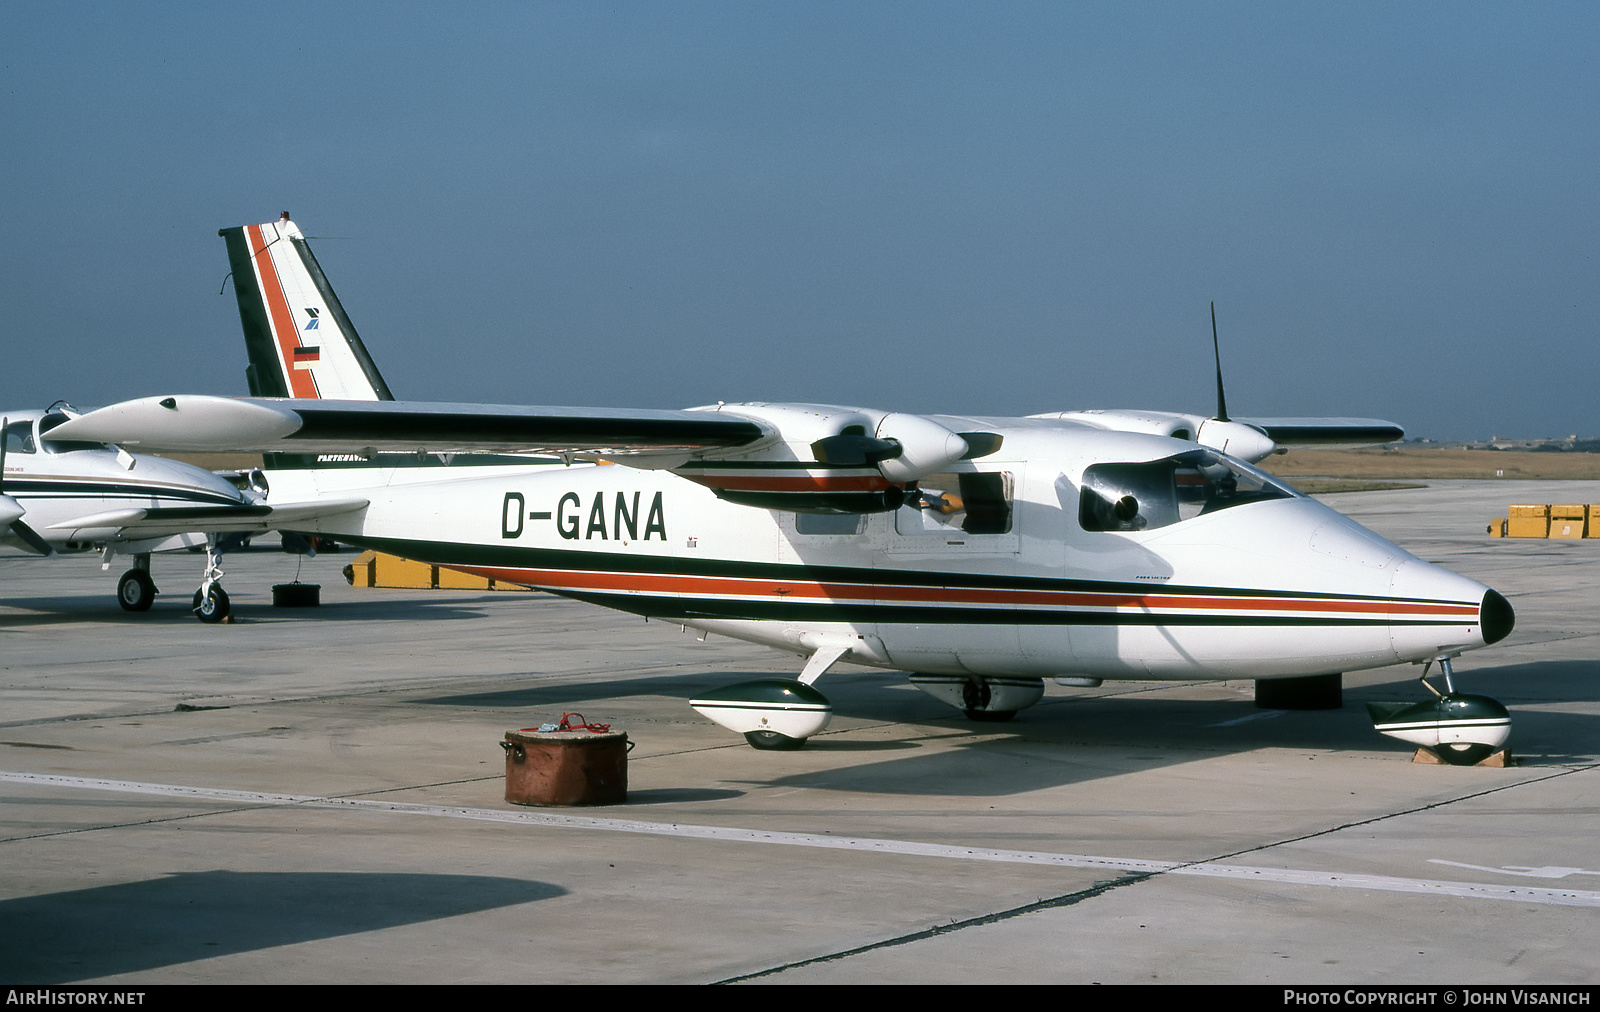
x=555 y=768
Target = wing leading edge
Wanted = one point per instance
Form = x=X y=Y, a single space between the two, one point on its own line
x=203 y=423
x=1328 y=431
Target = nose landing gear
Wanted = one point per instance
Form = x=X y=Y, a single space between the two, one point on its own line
x=211 y=601
x=1459 y=728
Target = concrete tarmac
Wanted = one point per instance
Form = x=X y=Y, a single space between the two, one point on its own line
x=317 y=796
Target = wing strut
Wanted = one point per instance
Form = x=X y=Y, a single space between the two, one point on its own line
x=822 y=660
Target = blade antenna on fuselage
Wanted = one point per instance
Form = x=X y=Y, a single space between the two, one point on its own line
x=1216 y=351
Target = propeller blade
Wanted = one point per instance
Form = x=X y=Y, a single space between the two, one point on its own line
x=11 y=511
x=1216 y=351
x=30 y=537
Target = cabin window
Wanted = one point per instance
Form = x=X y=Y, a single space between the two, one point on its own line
x=974 y=502
x=1158 y=493
x=829 y=523
x=19 y=437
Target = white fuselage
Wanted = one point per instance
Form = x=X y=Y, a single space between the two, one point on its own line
x=1279 y=587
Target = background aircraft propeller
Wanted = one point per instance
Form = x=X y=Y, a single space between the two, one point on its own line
x=11 y=510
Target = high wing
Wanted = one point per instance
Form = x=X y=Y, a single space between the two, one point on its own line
x=1250 y=439
x=1328 y=432
x=802 y=457
x=201 y=423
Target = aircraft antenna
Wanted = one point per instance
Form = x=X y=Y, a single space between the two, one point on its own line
x=1222 y=400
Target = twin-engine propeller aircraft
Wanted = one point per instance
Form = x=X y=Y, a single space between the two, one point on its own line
x=985 y=554
x=60 y=495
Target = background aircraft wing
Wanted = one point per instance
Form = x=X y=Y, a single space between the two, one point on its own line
x=1327 y=431
x=198 y=423
x=161 y=521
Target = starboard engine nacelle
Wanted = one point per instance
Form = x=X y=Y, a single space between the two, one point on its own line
x=1237 y=439
x=1242 y=440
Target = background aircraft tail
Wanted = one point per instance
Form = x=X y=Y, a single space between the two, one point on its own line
x=300 y=342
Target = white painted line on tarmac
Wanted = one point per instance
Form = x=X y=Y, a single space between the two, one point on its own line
x=1208 y=869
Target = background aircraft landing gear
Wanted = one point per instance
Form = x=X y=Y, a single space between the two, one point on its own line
x=211 y=606
x=135 y=590
x=211 y=601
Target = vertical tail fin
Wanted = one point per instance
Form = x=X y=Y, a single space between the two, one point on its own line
x=300 y=342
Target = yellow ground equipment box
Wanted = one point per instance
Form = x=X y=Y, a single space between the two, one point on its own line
x=1528 y=522
x=1568 y=521
x=375 y=569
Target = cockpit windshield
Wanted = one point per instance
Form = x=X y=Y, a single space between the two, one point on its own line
x=1158 y=493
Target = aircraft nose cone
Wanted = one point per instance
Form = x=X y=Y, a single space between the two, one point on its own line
x=1495 y=617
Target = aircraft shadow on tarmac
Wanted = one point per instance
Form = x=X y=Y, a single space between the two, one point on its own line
x=1081 y=737
x=138 y=926
x=169 y=609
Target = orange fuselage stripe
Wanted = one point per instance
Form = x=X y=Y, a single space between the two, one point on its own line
x=801 y=590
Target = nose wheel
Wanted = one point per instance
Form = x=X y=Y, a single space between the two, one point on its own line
x=211 y=605
x=1459 y=728
x=772 y=741
x=211 y=601
x=1460 y=753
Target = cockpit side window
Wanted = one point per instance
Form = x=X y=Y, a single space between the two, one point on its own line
x=1158 y=493
x=19 y=438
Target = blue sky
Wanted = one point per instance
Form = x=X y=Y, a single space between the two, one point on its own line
x=994 y=208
